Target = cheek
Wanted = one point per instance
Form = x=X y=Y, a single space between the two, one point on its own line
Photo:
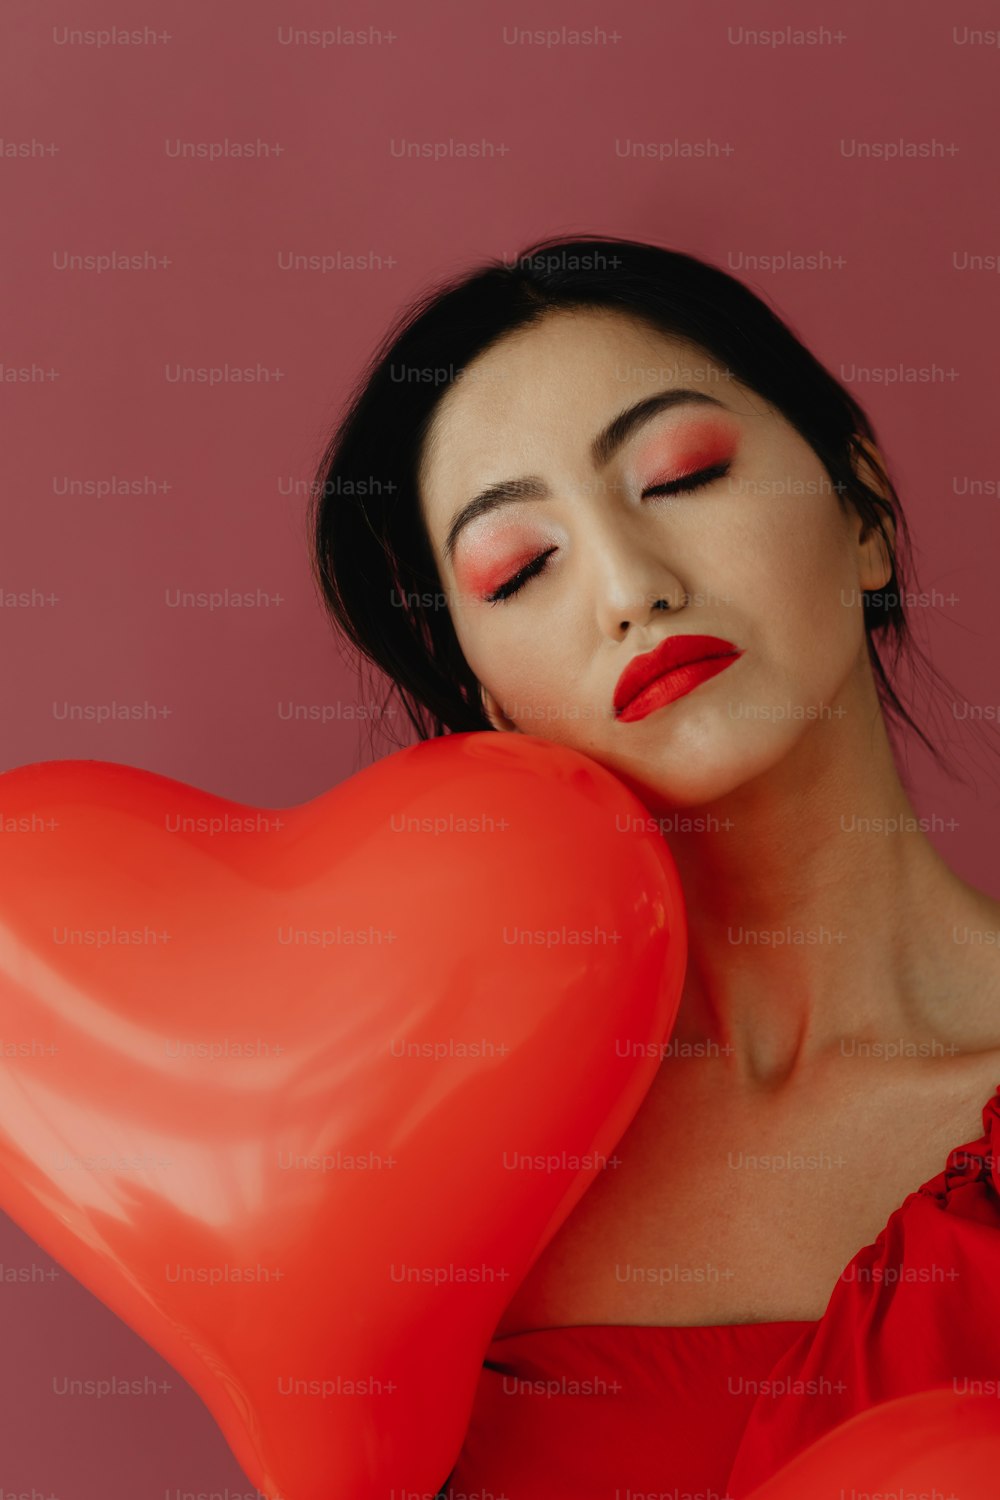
x=511 y=659
x=814 y=627
x=794 y=543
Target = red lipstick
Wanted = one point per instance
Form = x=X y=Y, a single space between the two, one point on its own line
x=670 y=670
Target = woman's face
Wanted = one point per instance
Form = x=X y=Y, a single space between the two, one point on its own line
x=761 y=555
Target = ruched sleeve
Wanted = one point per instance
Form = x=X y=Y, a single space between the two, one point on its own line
x=916 y=1310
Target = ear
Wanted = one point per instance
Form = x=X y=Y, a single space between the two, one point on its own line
x=875 y=563
x=495 y=714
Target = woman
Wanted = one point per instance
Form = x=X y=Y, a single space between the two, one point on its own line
x=551 y=468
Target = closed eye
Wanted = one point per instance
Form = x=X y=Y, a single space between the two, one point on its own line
x=682 y=486
x=690 y=482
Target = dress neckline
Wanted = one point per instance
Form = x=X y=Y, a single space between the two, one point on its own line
x=952 y=1174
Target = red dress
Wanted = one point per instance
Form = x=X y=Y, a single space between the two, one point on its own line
x=583 y=1412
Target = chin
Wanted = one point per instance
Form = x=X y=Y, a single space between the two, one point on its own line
x=700 y=781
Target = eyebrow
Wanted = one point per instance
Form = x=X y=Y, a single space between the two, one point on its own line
x=602 y=449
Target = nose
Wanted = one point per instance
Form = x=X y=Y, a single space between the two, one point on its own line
x=632 y=588
x=630 y=578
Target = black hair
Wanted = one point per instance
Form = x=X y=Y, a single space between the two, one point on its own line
x=372 y=557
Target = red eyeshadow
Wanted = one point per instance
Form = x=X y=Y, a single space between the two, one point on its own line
x=699 y=445
x=486 y=565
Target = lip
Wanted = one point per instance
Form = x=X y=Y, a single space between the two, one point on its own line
x=676 y=651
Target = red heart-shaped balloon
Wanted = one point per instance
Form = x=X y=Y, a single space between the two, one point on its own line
x=928 y=1445
x=301 y=1093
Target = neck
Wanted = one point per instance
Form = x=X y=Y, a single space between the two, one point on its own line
x=819 y=912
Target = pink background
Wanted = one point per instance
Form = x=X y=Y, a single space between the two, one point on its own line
x=223 y=458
